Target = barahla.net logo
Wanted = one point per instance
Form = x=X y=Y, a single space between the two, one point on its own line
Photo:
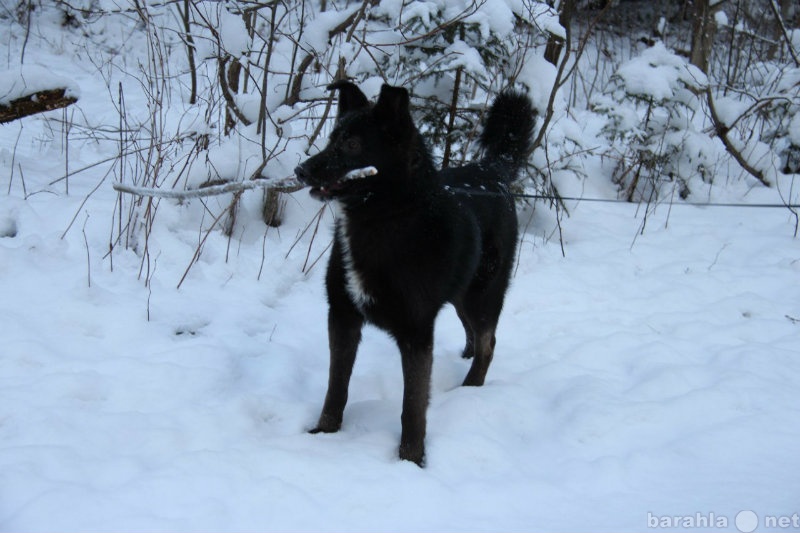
x=745 y=521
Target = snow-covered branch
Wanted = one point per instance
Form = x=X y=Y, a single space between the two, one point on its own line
x=722 y=132
x=288 y=184
x=213 y=190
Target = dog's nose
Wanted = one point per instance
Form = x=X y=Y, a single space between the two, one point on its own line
x=301 y=173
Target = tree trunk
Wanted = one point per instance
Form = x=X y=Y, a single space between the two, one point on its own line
x=274 y=205
x=703 y=28
x=232 y=75
x=555 y=43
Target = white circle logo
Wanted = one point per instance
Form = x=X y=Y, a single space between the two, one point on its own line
x=746 y=521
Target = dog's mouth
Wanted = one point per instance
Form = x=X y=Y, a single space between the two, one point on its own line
x=343 y=184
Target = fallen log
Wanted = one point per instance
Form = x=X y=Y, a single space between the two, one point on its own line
x=37 y=102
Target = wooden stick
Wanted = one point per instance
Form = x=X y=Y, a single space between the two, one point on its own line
x=289 y=184
x=212 y=190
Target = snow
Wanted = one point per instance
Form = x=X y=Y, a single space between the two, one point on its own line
x=546 y=18
x=494 y=16
x=29 y=79
x=650 y=373
x=730 y=109
x=658 y=74
x=794 y=38
x=790 y=78
x=721 y=18
x=658 y=376
x=460 y=54
x=316 y=35
x=424 y=11
x=538 y=75
x=794 y=130
x=233 y=33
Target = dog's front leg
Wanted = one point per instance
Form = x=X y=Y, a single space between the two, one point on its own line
x=344 y=335
x=417 y=355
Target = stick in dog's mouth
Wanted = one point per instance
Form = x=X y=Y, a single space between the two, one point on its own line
x=359 y=173
x=326 y=192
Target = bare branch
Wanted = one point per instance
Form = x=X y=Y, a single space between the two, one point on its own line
x=226 y=92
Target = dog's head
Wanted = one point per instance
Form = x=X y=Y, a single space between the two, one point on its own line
x=381 y=136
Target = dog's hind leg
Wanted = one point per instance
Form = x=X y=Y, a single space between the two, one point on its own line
x=481 y=311
x=484 y=352
x=417 y=356
x=344 y=335
x=469 y=347
x=482 y=303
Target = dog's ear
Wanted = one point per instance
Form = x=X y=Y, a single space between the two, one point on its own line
x=350 y=96
x=392 y=112
x=392 y=104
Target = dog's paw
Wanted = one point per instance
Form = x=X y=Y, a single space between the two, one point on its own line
x=326 y=424
x=415 y=454
x=473 y=380
x=323 y=429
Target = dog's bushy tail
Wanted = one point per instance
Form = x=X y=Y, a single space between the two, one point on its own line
x=508 y=132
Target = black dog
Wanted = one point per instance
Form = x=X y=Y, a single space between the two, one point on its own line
x=407 y=243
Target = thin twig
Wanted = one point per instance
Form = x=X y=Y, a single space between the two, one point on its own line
x=88 y=255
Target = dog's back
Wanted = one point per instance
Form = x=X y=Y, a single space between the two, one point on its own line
x=505 y=142
x=407 y=242
x=482 y=187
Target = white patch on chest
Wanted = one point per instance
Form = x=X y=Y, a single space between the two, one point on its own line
x=354 y=282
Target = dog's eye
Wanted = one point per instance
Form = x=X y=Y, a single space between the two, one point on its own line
x=352 y=145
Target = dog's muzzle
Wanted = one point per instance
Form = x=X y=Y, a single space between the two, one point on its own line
x=302 y=174
x=327 y=190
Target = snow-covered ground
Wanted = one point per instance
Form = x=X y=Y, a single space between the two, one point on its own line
x=657 y=376
x=644 y=379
